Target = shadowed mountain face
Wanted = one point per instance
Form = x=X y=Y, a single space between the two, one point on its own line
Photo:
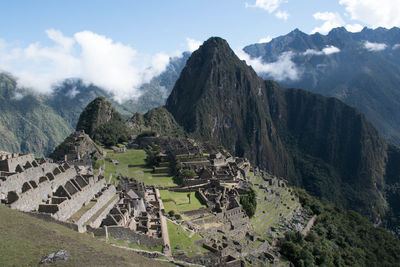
x=363 y=72
x=315 y=142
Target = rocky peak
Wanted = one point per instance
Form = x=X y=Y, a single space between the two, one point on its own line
x=96 y=113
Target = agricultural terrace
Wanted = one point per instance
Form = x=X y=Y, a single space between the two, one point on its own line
x=184 y=240
x=272 y=207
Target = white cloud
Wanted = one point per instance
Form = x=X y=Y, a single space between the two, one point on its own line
x=373 y=47
x=282 y=15
x=94 y=58
x=282 y=69
x=265 y=40
x=59 y=38
x=72 y=93
x=331 y=20
x=325 y=51
x=354 y=27
x=193 y=44
x=268 y=5
x=383 y=13
x=330 y=50
x=396 y=46
x=18 y=96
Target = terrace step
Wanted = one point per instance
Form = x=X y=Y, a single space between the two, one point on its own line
x=82 y=216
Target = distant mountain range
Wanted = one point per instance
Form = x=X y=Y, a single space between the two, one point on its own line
x=30 y=122
x=361 y=69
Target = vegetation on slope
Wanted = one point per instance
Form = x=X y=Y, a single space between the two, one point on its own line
x=27 y=124
x=157 y=120
x=339 y=238
x=392 y=190
x=103 y=123
x=249 y=203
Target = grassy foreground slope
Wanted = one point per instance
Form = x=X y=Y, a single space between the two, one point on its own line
x=25 y=240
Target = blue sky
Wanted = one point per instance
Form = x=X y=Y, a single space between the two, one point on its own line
x=157 y=26
x=122 y=44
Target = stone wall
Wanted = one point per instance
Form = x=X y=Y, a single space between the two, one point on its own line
x=31 y=199
x=97 y=222
x=101 y=201
x=48 y=218
x=67 y=208
x=235 y=212
x=10 y=162
x=14 y=182
x=193 y=182
x=124 y=233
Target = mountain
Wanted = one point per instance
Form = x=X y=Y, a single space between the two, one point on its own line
x=361 y=69
x=315 y=142
x=157 y=120
x=76 y=144
x=103 y=123
x=35 y=123
x=157 y=91
x=27 y=123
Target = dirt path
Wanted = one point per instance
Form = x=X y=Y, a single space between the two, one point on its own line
x=167 y=245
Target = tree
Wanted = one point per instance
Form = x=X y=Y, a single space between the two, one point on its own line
x=186 y=174
x=249 y=203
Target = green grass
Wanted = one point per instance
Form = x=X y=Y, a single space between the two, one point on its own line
x=178 y=236
x=25 y=240
x=133 y=245
x=140 y=172
x=179 y=202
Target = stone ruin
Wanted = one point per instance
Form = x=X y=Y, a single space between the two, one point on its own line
x=58 y=192
x=137 y=216
x=79 y=199
x=220 y=179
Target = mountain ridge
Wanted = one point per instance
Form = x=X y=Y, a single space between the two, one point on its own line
x=359 y=76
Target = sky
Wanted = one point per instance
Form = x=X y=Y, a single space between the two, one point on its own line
x=121 y=44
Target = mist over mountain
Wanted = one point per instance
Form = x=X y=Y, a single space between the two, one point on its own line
x=315 y=142
x=36 y=123
x=361 y=69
